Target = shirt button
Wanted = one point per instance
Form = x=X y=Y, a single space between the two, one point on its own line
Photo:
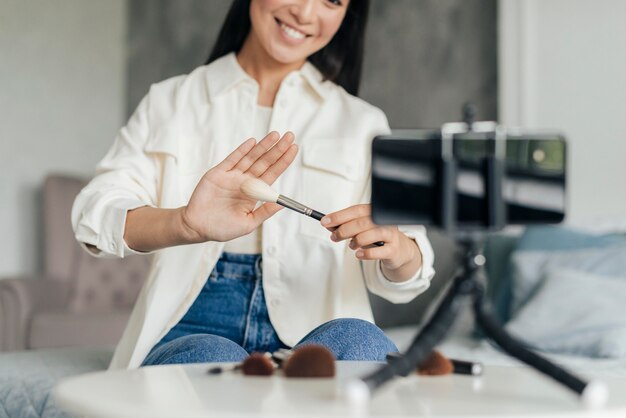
x=272 y=250
x=275 y=302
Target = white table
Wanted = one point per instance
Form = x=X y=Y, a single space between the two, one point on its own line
x=177 y=391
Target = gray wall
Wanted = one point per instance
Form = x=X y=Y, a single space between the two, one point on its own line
x=424 y=57
x=168 y=38
x=62 y=100
x=555 y=75
x=427 y=57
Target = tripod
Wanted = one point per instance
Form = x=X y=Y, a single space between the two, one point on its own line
x=465 y=285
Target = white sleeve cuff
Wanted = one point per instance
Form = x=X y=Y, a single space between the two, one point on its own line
x=390 y=283
x=113 y=220
x=402 y=292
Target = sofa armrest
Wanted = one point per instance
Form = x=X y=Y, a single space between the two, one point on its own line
x=19 y=298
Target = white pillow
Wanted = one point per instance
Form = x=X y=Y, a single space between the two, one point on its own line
x=575 y=312
x=531 y=265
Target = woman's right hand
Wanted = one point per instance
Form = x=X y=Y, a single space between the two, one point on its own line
x=217 y=209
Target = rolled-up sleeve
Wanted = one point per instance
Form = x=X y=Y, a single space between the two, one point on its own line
x=125 y=179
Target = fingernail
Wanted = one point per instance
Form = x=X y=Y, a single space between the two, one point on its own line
x=359 y=253
x=333 y=237
x=325 y=221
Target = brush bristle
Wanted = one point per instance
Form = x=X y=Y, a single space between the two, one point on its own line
x=310 y=360
x=257 y=364
x=258 y=190
x=435 y=365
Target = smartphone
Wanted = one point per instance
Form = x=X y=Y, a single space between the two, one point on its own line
x=471 y=181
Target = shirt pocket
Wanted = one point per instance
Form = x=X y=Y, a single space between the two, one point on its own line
x=333 y=178
x=189 y=152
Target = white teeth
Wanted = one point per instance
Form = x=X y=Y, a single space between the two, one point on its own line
x=291 y=32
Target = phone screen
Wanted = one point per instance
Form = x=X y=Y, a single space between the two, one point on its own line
x=408 y=184
x=534 y=185
x=404 y=179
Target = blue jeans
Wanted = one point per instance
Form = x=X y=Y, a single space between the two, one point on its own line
x=229 y=319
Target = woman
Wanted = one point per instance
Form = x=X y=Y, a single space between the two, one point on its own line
x=230 y=278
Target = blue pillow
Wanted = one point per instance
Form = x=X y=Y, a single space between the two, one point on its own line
x=575 y=312
x=545 y=248
x=558 y=238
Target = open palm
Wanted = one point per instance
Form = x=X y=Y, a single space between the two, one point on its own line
x=217 y=209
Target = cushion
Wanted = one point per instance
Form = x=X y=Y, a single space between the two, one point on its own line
x=27 y=377
x=105 y=284
x=575 y=312
x=544 y=248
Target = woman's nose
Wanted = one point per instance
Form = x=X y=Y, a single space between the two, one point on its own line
x=304 y=11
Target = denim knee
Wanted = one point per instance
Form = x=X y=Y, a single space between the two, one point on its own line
x=352 y=339
x=196 y=348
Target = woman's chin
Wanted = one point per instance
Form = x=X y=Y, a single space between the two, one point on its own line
x=288 y=56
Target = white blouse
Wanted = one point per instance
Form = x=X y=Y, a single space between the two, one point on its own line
x=187 y=124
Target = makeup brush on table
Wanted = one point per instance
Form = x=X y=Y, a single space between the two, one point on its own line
x=259 y=190
x=257 y=364
x=311 y=360
x=437 y=364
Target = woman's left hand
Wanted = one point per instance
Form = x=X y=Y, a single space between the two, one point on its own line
x=400 y=256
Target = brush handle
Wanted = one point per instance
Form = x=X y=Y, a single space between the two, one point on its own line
x=467 y=367
x=293 y=205
x=305 y=210
x=317 y=215
x=281 y=355
x=223 y=369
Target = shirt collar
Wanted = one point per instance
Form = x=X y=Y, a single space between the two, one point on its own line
x=226 y=73
x=315 y=79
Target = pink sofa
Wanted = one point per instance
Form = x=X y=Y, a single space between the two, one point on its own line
x=78 y=300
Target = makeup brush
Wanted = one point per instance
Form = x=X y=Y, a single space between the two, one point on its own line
x=259 y=190
x=256 y=364
x=437 y=364
x=311 y=360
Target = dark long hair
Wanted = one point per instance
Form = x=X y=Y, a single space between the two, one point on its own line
x=340 y=61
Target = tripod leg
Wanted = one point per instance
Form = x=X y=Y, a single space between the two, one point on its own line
x=431 y=334
x=592 y=393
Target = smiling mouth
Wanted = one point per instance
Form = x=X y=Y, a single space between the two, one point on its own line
x=290 y=31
